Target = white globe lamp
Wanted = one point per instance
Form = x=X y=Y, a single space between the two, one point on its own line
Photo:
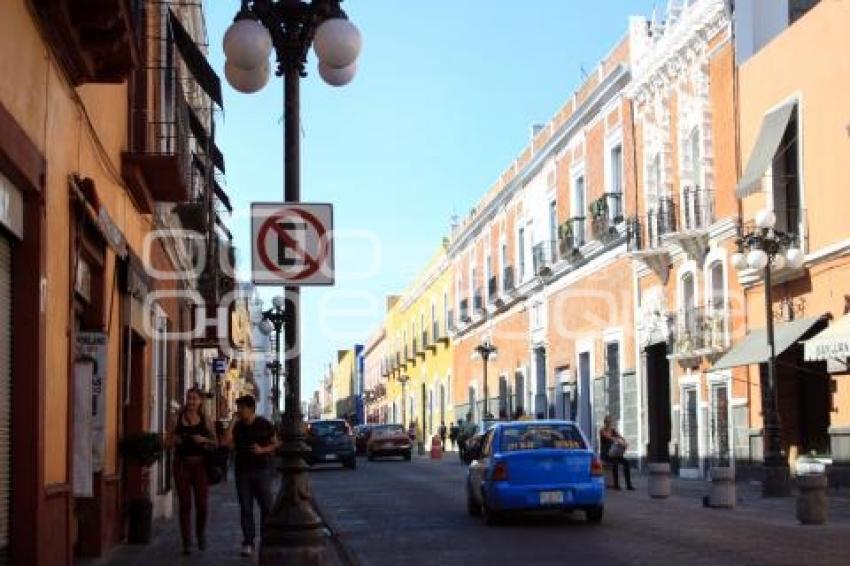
x=335 y=76
x=337 y=42
x=795 y=258
x=266 y=327
x=247 y=80
x=247 y=44
x=739 y=261
x=765 y=219
x=757 y=259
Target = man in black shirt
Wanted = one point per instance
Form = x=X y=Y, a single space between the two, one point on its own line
x=254 y=441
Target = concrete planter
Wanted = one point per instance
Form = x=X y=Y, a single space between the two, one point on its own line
x=660 y=483
x=722 y=492
x=812 y=502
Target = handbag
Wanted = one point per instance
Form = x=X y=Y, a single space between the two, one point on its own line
x=617 y=450
x=215 y=463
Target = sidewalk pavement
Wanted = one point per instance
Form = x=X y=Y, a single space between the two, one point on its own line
x=224 y=538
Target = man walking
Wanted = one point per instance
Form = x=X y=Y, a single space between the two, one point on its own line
x=442 y=432
x=254 y=442
x=454 y=430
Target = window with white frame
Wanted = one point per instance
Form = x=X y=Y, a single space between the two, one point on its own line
x=521 y=252
x=578 y=209
x=615 y=188
x=491 y=289
x=553 y=229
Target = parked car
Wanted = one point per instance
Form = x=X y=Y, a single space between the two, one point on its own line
x=469 y=442
x=534 y=466
x=331 y=441
x=361 y=437
x=388 y=440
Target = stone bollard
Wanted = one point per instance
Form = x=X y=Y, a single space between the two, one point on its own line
x=812 y=502
x=659 y=480
x=722 y=492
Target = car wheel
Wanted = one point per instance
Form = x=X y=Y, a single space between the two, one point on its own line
x=472 y=507
x=407 y=455
x=595 y=514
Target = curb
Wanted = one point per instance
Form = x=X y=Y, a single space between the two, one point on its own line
x=345 y=555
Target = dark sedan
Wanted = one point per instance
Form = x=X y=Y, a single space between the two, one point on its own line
x=331 y=441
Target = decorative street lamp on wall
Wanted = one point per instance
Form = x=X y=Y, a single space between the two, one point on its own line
x=766 y=248
x=486 y=351
x=294 y=532
x=274 y=321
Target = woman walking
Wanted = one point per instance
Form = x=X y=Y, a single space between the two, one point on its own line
x=191 y=434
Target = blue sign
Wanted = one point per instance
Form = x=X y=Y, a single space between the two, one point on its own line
x=219 y=365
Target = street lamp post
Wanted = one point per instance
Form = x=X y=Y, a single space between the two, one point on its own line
x=274 y=320
x=403 y=379
x=486 y=350
x=294 y=531
x=768 y=248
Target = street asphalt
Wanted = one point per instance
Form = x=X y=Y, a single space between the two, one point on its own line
x=410 y=513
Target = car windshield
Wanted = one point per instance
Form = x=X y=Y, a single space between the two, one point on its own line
x=387 y=430
x=329 y=428
x=539 y=436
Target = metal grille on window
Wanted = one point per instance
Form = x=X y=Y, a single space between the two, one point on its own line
x=720 y=424
x=5 y=394
x=690 y=431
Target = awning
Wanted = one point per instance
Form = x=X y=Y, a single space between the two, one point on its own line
x=205 y=140
x=831 y=344
x=195 y=60
x=753 y=348
x=761 y=158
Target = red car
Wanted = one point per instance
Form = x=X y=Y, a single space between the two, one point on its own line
x=388 y=440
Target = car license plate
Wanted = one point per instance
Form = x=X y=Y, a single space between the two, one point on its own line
x=551 y=497
x=330 y=456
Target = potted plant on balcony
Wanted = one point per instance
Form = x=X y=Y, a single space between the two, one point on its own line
x=601 y=225
x=141 y=449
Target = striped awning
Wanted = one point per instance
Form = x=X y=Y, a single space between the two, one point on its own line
x=831 y=344
x=761 y=157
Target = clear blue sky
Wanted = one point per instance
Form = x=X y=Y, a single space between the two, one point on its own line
x=446 y=93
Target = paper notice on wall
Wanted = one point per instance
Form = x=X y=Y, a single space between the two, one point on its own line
x=83 y=460
x=92 y=346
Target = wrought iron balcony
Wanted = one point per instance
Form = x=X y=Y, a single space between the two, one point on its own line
x=464 y=311
x=646 y=235
x=492 y=289
x=508 y=279
x=606 y=213
x=477 y=303
x=571 y=237
x=697 y=208
x=543 y=256
x=98 y=41
x=699 y=331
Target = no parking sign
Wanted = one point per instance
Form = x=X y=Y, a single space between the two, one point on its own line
x=292 y=244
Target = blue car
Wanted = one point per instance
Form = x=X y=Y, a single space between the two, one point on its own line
x=535 y=466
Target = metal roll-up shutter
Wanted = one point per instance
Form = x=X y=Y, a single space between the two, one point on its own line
x=5 y=394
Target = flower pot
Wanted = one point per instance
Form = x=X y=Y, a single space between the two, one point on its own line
x=812 y=502
x=722 y=492
x=140 y=520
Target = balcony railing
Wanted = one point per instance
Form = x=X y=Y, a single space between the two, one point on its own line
x=542 y=255
x=697 y=208
x=605 y=213
x=508 y=279
x=464 y=315
x=699 y=331
x=492 y=289
x=477 y=302
x=646 y=234
x=571 y=236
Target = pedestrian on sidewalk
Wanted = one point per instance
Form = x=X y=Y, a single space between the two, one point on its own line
x=442 y=432
x=612 y=449
x=255 y=443
x=191 y=434
x=454 y=430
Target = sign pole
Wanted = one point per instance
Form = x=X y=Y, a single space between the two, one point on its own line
x=293 y=520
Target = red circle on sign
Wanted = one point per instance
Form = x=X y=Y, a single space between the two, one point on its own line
x=313 y=264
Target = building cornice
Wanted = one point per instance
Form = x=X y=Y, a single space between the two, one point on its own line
x=608 y=87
